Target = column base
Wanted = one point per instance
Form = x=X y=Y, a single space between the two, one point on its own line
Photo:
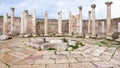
x=25 y=36
x=5 y=37
x=118 y=40
x=79 y=36
x=87 y=35
x=34 y=35
x=59 y=35
x=93 y=36
x=109 y=36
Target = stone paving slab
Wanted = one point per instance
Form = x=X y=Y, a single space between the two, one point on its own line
x=3 y=50
x=76 y=52
x=58 y=56
x=2 y=65
x=75 y=56
x=57 y=66
x=115 y=61
x=18 y=55
x=90 y=59
x=72 y=60
x=63 y=52
x=44 y=61
x=103 y=64
x=89 y=50
x=83 y=48
x=29 y=66
x=82 y=65
x=105 y=57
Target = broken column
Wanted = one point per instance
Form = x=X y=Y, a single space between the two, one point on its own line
x=118 y=40
x=46 y=23
x=26 y=22
x=89 y=22
x=5 y=36
x=34 y=32
x=93 y=21
x=80 y=21
x=103 y=27
x=12 y=21
x=108 y=28
x=70 y=32
x=60 y=23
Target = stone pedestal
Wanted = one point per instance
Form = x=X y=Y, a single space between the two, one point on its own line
x=108 y=29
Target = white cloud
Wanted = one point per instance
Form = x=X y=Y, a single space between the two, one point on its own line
x=54 y=6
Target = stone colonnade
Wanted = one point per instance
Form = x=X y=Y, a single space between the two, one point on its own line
x=91 y=21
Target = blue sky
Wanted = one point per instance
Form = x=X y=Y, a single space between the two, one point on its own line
x=54 y=6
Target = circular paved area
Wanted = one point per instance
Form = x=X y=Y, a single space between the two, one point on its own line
x=15 y=54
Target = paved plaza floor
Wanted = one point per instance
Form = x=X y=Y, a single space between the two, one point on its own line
x=15 y=54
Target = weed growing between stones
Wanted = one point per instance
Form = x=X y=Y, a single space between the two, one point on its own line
x=52 y=49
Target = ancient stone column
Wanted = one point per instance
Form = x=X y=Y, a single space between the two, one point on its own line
x=12 y=20
x=108 y=27
x=60 y=23
x=5 y=24
x=70 y=32
x=5 y=35
x=80 y=21
x=46 y=23
x=93 y=21
x=34 y=23
x=22 y=24
x=103 y=27
x=26 y=21
x=119 y=27
x=89 y=22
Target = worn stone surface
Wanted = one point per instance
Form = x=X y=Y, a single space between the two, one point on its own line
x=15 y=54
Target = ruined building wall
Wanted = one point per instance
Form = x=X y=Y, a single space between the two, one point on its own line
x=53 y=25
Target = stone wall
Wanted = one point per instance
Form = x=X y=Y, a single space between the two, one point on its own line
x=53 y=27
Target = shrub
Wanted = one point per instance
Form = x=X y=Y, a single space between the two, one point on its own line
x=80 y=43
x=65 y=40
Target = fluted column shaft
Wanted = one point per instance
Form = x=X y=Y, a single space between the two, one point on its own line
x=46 y=23
x=70 y=32
x=22 y=24
x=93 y=21
x=89 y=22
x=5 y=24
x=108 y=18
x=26 y=21
x=34 y=23
x=80 y=21
x=60 y=22
x=12 y=20
x=103 y=27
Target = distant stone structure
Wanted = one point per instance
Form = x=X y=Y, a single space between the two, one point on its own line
x=75 y=26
